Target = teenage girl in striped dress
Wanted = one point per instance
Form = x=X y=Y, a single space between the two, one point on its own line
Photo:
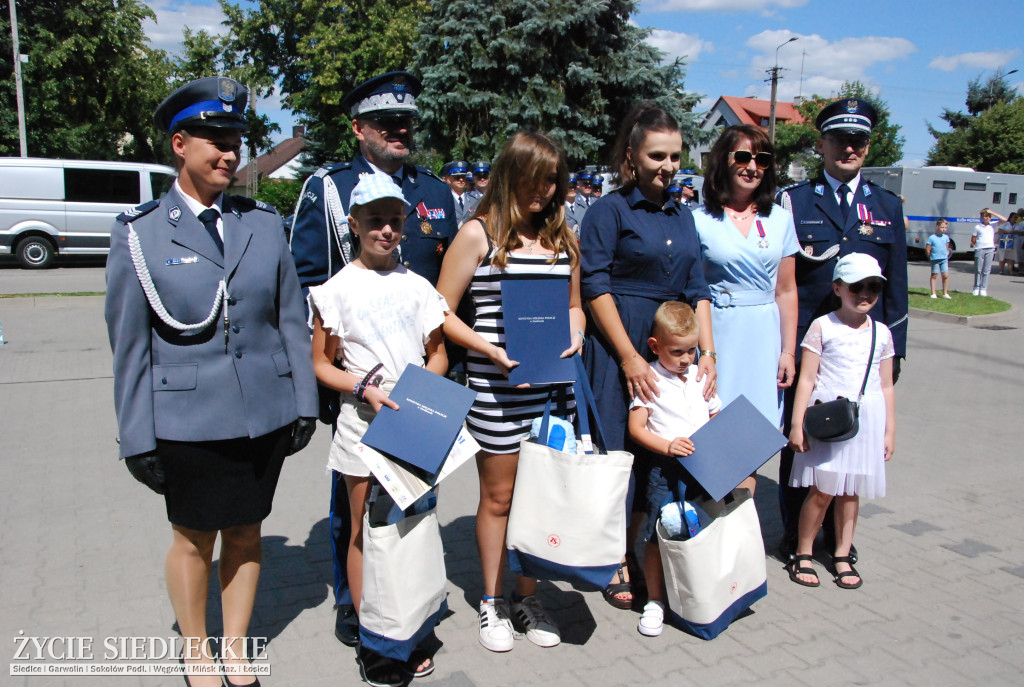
x=519 y=231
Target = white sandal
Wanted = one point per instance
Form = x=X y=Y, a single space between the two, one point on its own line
x=652 y=619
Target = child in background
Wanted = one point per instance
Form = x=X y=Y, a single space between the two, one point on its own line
x=937 y=250
x=835 y=356
x=1006 y=235
x=371 y=320
x=983 y=240
x=663 y=426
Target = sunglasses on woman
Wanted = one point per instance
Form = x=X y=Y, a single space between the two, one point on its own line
x=743 y=157
x=872 y=285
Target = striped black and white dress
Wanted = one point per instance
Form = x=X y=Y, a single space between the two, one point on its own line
x=502 y=414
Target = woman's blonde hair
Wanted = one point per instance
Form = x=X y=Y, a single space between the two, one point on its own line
x=525 y=163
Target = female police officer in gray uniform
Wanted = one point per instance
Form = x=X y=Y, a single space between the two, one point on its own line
x=213 y=376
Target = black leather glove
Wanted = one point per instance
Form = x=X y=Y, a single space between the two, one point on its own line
x=896 y=365
x=302 y=432
x=147 y=468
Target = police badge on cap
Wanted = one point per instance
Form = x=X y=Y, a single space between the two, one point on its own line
x=216 y=102
x=388 y=95
x=847 y=116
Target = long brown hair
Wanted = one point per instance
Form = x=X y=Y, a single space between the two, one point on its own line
x=525 y=162
x=644 y=117
x=719 y=170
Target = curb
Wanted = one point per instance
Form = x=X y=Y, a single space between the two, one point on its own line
x=972 y=321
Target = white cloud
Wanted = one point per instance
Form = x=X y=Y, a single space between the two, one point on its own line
x=981 y=60
x=765 y=7
x=675 y=44
x=826 y=65
x=173 y=17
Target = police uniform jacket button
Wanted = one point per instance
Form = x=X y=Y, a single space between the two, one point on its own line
x=232 y=300
x=405 y=237
x=406 y=263
x=238 y=352
x=846 y=238
x=163 y=380
x=235 y=328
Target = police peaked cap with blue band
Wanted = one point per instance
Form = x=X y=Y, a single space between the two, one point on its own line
x=388 y=95
x=675 y=187
x=457 y=167
x=849 y=116
x=216 y=102
x=482 y=166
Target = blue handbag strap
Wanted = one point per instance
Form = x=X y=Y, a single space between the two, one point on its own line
x=586 y=411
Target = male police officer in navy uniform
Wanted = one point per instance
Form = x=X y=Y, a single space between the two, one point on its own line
x=481 y=176
x=383 y=110
x=454 y=174
x=836 y=214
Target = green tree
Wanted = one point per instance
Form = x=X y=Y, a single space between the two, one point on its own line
x=91 y=82
x=796 y=142
x=570 y=68
x=990 y=136
x=319 y=50
x=283 y=194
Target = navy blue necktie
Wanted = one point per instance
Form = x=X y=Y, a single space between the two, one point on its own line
x=844 y=202
x=209 y=219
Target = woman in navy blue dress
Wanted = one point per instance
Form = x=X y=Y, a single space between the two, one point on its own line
x=639 y=249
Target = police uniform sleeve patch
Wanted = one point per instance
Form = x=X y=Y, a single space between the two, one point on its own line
x=132 y=214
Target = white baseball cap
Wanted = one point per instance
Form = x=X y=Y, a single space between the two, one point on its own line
x=854 y=267
x=373 y=187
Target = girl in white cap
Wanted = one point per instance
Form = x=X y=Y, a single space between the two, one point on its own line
x=837 y=350
x=370 y=320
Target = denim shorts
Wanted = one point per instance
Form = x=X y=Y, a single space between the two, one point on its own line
x=667 y=481
x=940 y=266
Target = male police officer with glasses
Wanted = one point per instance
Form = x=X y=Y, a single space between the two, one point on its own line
x=383 y=111
x=835 y=214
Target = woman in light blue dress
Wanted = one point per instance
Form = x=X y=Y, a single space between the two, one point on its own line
x=749 y=245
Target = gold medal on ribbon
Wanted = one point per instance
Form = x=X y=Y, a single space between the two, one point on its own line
x=426 y=228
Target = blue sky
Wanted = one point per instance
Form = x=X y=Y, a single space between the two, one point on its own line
x=919 y=56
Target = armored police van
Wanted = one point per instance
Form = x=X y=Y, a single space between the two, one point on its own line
x=956 y=193
x=67 y=207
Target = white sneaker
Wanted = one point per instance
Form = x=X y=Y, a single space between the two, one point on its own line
x=947 y=296
x=496 y=631
x=984 y=292
x=933 y=296
x=975 y=292
x=535 y=622
x=652 y=619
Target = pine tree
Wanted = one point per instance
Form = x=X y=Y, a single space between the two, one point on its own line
x=572 y=69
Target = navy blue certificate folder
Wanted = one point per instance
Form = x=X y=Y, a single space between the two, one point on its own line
x=536 y=316
x=431 y=410
x=731 y=447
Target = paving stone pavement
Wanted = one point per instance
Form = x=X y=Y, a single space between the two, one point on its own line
x=941 y=555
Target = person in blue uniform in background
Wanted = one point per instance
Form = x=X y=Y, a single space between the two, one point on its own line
x=456 y=174
x=213 y=377
x=836 y=214
x=383 y=111
x=481 y=177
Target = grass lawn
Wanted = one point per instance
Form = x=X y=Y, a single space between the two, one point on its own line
x=961 y=303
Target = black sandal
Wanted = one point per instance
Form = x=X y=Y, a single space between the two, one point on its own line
x=377 y=670
x=852 y=572
x=795 y=570
x=620 y=587
x=417 y=657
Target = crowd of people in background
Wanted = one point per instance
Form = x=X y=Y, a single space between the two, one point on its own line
x=677 y=305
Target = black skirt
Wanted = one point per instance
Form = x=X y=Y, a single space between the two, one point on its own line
x=213 y=485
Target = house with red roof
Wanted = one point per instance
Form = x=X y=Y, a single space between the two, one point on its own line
x=730 y=110
x=280 y=162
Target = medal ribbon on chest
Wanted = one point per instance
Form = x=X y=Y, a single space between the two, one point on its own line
x=763 y=243
x=421 y=212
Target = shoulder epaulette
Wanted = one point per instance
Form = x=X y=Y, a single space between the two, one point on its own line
x=878 y=187
x=792 y=186
x=249 y=204
x=424 y=170
x=334 y=169
x=132 y=214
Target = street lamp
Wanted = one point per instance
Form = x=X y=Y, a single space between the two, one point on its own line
x=775 y=87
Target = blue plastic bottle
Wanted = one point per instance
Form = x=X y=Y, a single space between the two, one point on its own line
x=556 y=438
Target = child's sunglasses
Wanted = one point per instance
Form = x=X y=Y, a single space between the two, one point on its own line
x=872 y=285
x=763 y=160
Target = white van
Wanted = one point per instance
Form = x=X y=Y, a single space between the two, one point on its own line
x=67 y=207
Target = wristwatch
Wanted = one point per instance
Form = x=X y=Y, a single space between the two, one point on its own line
x=710 y=354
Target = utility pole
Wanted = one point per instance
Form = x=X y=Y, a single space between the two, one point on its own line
x=22 y=138
x=774 y=71
x=252 y=184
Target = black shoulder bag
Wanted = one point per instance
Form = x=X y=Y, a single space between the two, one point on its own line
x=838 y=420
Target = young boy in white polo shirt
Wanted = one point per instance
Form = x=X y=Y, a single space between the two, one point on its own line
x=663 y=427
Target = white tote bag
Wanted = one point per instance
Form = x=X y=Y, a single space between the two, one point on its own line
x=719 y=573
x=404 y=581
x=568 y=514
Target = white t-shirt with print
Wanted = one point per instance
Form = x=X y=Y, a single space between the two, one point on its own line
x=681 y=409
x=379 y=317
